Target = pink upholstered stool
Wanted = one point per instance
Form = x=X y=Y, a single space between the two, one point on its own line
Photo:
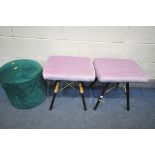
x=67 y=68
x=118 y=70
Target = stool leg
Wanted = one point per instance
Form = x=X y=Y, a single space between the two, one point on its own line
x=101 y=96
x=82 y=95
x=92 y=84
x=56 y=88
x=117 y=84
x=128 y=96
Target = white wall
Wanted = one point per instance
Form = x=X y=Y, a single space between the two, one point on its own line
x=38 y=43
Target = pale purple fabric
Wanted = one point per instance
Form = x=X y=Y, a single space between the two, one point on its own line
x=69 y=69
x=118 y=70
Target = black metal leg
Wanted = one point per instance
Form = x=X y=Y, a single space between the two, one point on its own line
x=101 y=96
x=92 y=84
x=128 y=96
x=117 y=84
x=52 y=102
x=84 y=103
x=56 y=88
x=82 y=95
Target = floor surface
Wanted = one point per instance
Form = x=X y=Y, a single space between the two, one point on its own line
x=68 y=111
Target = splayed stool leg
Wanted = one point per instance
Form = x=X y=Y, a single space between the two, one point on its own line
x=82 y=95
x=56 y=89
x=101 y=96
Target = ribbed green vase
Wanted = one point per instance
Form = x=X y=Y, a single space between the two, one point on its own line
x=23 y=83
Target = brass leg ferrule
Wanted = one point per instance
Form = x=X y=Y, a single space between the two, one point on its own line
x=56 y=88
x=81 y=88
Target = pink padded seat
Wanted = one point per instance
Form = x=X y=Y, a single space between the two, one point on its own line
x=69 y=69
x=118 y=70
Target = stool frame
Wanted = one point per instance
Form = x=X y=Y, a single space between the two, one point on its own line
x=56 y=90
